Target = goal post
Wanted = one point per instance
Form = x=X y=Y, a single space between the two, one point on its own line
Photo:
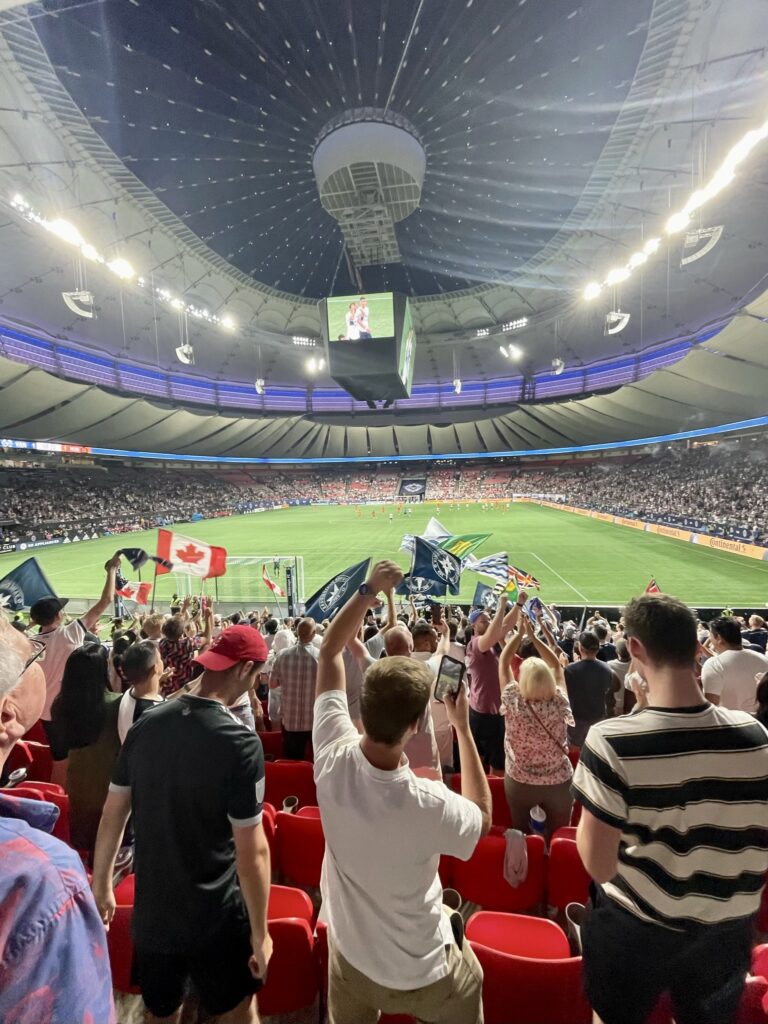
x=242 y=584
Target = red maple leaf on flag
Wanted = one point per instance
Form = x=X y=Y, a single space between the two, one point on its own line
x=189 y=554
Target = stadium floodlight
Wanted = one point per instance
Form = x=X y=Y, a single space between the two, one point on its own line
x=616 y=321
x=503 y=351
x=80 y=303
x=186 y=354
x=515 y=325
x=121 y=268
x=321 y=364
x=677 y=222
x=592 y=291
x=557 y=366
x=66 y=231
x=651 y=246
x=90 y=252
x=637 y=259
x=227 y=322
x=19 y=201
x=482 y=332
x=303 y=341
x=311 y=365
x=515 y=353
x=616 y=276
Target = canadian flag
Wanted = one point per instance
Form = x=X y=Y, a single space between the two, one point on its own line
x=276 y=589
x=190 y=556
x=138 y=592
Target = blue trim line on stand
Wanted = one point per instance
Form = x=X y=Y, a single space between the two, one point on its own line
x=684 y=435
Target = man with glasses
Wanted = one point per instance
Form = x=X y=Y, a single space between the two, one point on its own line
x=54 y=964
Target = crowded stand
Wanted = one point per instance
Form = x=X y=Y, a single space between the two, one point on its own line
x=346 y=827
x=718 y=490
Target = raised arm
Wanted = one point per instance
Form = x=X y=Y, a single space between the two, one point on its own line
x=386 y=576
x=494 y=633
x=546 y=654
x=93 y=614
x=506 y=675
x=391 y=612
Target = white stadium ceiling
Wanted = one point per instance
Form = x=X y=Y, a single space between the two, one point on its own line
x=578 y=133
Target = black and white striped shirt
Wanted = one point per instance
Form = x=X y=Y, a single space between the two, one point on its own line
x=688 y=788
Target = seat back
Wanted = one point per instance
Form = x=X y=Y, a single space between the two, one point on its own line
x=292 y=976
x=500 y=815
x=286 y=901
x=290 y=778
x=300 y=849
x=120 y=945
x=481 y=878
x=567 y=878
x=531 y=991
x=272 y=742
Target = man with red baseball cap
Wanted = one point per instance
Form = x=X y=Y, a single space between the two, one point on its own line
x=193 y=775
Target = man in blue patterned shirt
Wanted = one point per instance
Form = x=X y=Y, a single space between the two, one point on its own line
x=54 y=964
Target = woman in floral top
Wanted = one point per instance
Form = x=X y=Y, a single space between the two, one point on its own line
x=537 y=715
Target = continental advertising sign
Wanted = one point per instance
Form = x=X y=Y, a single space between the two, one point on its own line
x=736 y=547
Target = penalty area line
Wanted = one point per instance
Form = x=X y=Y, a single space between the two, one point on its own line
x=562 y=578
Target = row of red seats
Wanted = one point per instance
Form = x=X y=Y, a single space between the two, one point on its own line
x=530 y=976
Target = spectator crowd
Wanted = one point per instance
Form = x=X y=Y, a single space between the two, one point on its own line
x=721 y=487
x=644 y=737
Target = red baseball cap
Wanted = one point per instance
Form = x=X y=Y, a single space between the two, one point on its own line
x=234 y=644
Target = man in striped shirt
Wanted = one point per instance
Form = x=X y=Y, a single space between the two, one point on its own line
x=674 y=832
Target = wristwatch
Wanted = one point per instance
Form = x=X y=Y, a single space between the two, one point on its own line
x=364 y=590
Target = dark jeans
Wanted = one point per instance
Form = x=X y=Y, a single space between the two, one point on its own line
x=488 y=734
x=628 y=964
x=295 y=744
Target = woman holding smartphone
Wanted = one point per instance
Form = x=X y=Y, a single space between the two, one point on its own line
x=537 y=714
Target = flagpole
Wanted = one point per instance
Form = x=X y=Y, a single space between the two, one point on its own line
x=154 y=581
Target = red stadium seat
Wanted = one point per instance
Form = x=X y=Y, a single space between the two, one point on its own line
x=308 y=812
x=300 y=849
x=120 y=945
x=481 y=879
x=42 y=762
x=285 y=901
x=518 y=935
x=37 y=733
x=292 y=977
x=567 y=878
x=500 y=808
x=20 y=756
x=519 y=990
x=272 y=742
x=565 y=832
x=125 y=891
x=290 y=778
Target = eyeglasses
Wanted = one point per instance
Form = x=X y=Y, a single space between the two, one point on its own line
x=39 y=654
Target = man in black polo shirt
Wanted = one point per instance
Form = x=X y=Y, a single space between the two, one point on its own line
x=193 y=776
x=590 y=684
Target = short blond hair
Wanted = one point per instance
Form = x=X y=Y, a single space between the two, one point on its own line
x=537 y=681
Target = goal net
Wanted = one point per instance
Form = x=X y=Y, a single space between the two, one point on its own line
x=242 y=585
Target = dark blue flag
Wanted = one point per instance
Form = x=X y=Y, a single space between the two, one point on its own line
x=138 y=557
x=433 y=563
x=418 y=586
x=485 y=597
x=326 y=601
x=24 y=585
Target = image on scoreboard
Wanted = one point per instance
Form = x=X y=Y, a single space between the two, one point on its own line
x=361 y=317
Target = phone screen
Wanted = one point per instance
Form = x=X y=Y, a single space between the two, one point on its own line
x=437 y=613
x=449 y=678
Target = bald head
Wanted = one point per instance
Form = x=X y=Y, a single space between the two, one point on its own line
x=306 y=631
x=398 y=642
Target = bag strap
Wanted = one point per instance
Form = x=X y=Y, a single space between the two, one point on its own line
x=554 y=739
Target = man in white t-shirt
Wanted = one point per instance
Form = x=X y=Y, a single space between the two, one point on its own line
x=391 y=942
x=61 y=639
x=729 y=679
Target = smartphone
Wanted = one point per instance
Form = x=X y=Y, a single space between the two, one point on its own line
x=436 y=611
x=449 y=678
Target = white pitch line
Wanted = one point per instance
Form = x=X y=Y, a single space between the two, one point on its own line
x=74 y=568
x=564 y=580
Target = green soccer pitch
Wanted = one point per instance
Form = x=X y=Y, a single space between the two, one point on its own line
x=380 y=315
x=576 y=559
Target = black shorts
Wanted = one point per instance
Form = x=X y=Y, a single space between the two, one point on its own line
x=218 y=971
x=629 y=963
x=488 y=734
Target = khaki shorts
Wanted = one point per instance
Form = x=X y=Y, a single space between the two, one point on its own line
x=455 y=999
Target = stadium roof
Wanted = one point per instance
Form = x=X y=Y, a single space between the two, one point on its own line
x=559 y=137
